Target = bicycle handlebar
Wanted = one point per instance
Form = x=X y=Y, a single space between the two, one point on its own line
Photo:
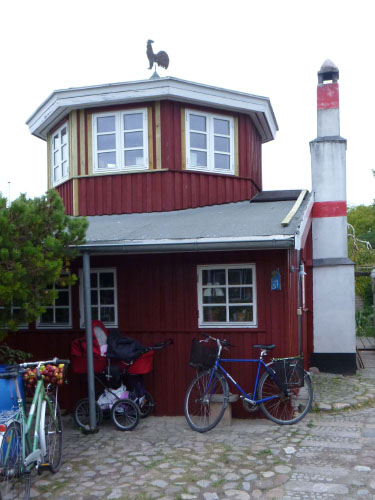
x=223 y=342
x=12 y=371
x=54 y=361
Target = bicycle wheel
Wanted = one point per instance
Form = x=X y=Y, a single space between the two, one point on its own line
x=14 y=479
x=287 y=407
x=51 y=433
x=145 y=404
x=205 y=401
x=81 y=414
x=125 y=414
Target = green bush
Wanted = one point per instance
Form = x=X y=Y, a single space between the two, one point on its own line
x=364 y=321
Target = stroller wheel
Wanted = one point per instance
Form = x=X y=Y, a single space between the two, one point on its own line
x=145 y=404
x=125 y=414
x=81 y=414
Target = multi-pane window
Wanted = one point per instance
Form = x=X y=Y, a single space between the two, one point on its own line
x=15 y=313
x=227 y=295
x=120 y=141
x=103 y=288
x=209 y=140
x=60 y=154
x=59 y=313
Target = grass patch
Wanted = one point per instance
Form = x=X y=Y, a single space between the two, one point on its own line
x=219 y=483
x=264 y=453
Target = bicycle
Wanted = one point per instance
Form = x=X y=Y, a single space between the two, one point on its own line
x=32 y=440
x=283 y=392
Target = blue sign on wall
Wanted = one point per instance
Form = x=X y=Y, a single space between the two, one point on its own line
x=276 y=280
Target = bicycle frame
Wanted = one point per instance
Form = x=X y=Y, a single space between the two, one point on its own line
x=218 y=367
x=35 y=445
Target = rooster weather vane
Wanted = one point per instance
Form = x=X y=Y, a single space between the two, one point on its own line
x=160 y=59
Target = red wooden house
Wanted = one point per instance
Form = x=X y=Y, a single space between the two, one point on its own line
x=182 y=239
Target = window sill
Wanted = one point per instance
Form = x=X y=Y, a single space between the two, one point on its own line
x=207 y=171
x=121 y=170
x=53 y=327
x=227 y=325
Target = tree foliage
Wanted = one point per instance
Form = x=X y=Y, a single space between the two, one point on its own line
x=36 y=239
x=362 y=219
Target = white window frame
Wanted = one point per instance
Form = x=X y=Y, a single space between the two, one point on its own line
x=57 y=162
x=120 y=146
x=53 y=325
x=21 y=326
x=210 y=149
x=81 y=295
x=201 y=288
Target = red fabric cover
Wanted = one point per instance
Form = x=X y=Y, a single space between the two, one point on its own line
x=143 y=364
x=79 y=352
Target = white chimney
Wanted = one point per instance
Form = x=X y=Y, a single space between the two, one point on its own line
x=333 y=272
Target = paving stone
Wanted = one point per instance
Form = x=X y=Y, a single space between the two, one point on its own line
x=204 y=483
x=362 y=468
x=332 y=455
x=282 y=469
x=237 y=495
x=290 y=450
x=159 y=483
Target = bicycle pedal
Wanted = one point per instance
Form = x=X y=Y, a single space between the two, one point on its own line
x=42 y=467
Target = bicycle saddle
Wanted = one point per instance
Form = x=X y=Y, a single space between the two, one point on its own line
x=267 y=347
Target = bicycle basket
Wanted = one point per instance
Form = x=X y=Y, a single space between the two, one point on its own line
x=202 y=355
x=289 y=371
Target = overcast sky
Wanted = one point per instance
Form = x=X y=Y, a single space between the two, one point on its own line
x=270 y=48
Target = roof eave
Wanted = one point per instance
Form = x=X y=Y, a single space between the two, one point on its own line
x=192 y=245
x=61 y=102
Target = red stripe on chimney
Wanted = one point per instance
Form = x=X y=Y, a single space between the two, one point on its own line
x=329 y=209
x=328 y=96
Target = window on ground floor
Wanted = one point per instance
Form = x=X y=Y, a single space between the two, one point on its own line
x=227 y=295
x=15 y=312
x=58 y=314
x=103 y=288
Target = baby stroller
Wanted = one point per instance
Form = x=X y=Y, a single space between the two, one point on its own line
x=117 y=359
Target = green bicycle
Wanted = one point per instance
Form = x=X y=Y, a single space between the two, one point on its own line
x=32 y=440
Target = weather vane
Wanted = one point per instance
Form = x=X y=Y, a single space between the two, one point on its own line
x=160 y=59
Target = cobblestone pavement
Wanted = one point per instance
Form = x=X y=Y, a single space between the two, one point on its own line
x=328 y=455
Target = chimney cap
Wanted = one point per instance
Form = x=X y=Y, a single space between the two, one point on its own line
x=328 y=71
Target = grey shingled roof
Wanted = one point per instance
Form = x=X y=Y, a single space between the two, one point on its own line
x=215 y=227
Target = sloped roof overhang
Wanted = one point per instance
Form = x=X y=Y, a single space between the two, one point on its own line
x=61 y=102
x=231 y=226
x=198 y=245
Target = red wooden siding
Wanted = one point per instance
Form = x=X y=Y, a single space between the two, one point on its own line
x=170 y=118
x=65 y=190
x=249 y=151
x=172 y=188
x=157 y=299
x=159 y=192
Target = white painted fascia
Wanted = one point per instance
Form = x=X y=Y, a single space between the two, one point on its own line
x=188 y=245
x=300 y=233
x=61 y=102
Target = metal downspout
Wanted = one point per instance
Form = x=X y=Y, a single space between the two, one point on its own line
x=90 y=357
x=299 y=308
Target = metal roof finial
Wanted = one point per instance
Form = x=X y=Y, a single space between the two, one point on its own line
x=160 y=59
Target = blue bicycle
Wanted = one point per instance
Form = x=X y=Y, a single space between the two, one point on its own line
x=282 y=388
